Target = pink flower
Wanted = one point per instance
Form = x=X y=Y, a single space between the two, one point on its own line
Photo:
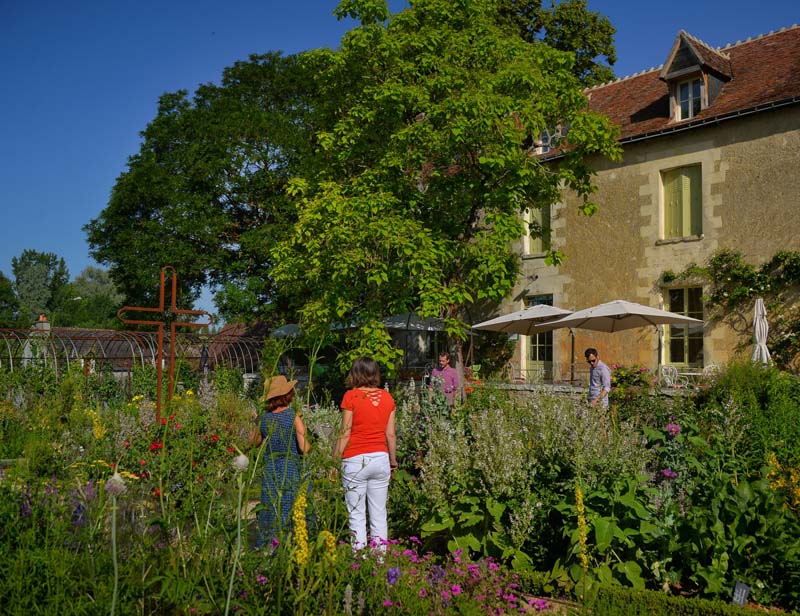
x=423 y=592
x=672 y=429
x=445 y=595
x=669 y=473
x=387 y=603
x=456 y=589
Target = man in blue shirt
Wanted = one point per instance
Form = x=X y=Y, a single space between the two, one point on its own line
x=599 y=379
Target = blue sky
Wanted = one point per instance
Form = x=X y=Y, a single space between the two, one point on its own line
x=81 y=79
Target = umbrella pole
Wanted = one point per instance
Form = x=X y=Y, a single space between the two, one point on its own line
x=572 y=357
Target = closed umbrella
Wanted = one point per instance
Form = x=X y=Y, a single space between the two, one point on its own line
x=525 y=322
x=760 y=332
x=619 y=315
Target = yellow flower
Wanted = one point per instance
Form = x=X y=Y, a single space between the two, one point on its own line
x=98 y=430
x=189 y=392
x=330 y=544
x=300 y=529
x=583 y=531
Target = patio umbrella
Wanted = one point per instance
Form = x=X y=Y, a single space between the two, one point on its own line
x=412 y=322
x=523 y=322
x=618 y=315
x=760 y=332
x=290 y=330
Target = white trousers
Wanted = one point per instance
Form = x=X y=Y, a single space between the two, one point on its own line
x=365 y=479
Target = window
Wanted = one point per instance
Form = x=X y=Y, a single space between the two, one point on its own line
x=685 y=342
x=683 y=201
x=539 y=224
x=540 y=346
x=690 y=99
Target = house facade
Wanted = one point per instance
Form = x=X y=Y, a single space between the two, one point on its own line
x=711 y=160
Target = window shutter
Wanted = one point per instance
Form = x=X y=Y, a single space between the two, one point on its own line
x=672 y=205
x=695 y=200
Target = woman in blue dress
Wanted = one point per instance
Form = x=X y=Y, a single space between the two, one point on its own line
x=285 y=434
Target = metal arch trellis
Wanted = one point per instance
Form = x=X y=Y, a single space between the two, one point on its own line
x=124 y=348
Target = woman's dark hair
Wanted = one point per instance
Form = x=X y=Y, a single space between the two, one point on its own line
x=364 y=373
x=279 y=401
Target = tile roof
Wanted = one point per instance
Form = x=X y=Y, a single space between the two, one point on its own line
x=765 y=70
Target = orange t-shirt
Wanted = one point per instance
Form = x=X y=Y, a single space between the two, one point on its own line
x=371 y=410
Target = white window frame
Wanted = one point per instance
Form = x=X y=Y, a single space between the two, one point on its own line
x=700 y=97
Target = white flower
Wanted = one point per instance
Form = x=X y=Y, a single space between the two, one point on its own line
x=241 y=462
x=116 y=485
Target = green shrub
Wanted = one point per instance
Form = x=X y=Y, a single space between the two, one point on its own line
x=616 y=601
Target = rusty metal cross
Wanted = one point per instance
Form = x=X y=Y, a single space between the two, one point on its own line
x=168 y=315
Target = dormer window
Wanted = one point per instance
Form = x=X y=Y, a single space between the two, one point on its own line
x=690 y=98
x=695 y=74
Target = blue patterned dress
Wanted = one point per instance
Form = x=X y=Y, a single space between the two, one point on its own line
x=282 y=474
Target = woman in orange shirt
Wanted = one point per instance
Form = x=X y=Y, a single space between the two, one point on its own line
x=367 y=447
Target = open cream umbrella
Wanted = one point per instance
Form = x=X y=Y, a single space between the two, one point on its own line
x=524 y=321
x=619 y=315
x=760 y=333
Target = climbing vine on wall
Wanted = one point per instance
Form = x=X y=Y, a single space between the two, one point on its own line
x=732 y=286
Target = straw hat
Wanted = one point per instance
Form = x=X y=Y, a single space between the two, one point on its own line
x=277 y=386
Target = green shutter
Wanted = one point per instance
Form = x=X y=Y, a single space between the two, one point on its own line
x=683 y=202
x=672 y=204
x=695 y=200
x=542 y=218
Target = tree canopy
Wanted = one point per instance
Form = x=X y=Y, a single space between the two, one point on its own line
x=386 y=176
x=206 y=192
x=420 y=179
x=38 y=280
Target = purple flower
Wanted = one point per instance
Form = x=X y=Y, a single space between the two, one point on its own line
x=423 y=592
x=455 y=589
x=392 y=575
x=672 y=429
x=387 y=603
x=261 y=579
x=668 y=473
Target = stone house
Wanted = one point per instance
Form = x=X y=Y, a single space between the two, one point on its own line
x=711 y=160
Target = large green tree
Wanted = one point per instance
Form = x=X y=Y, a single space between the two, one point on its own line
x=206 y=192
x=415 y=197
x=388 y=175
x=38 y=280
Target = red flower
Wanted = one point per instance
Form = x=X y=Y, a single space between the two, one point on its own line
x=231 y=449
x=194 y=463
x=171 y=417
x=156 y=445
x=156 y=492
x=112 y=465
x=177 y=426
x=126 y=444
x=214 y=438
x=142 y=474
x=163 y=421
x=227 y=426
x=199 y=478
x=142 y=462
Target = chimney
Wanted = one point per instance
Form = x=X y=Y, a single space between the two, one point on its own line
x=42 y=324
